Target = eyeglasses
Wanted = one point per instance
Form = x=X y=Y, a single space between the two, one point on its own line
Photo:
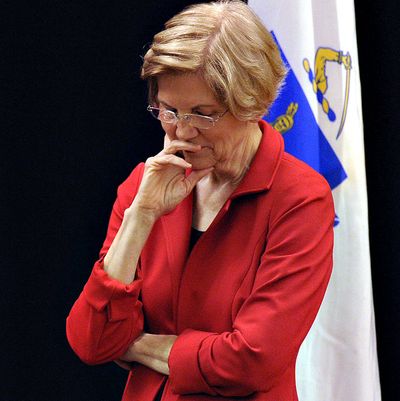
x=194 y=120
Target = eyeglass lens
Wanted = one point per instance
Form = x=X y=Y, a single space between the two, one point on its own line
x=169 y=117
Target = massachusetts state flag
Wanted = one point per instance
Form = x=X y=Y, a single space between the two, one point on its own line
x=319 y=115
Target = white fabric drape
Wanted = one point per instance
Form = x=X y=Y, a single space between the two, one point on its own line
x=319 y=114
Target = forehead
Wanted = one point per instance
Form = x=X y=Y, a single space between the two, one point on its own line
x=185 y=91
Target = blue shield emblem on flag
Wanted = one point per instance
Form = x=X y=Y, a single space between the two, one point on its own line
x=291 y=114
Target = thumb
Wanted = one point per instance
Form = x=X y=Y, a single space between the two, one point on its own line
x=196 y=175
x=123 y=364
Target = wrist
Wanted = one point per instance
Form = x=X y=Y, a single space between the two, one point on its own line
x=144 y=215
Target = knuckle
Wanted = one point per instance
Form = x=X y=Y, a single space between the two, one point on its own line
x=149 y=160
x=171 y=149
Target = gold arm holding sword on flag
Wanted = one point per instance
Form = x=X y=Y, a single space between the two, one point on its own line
x=319 y=80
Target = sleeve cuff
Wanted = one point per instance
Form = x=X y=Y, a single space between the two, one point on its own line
x=184 y=370
x=102 y=291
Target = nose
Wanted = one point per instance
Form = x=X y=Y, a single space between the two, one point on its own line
x=185 y=131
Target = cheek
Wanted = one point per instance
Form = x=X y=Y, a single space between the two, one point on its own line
x=223 y=146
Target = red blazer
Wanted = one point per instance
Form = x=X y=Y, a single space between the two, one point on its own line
x=241 y=302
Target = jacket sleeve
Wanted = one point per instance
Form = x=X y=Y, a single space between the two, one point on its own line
x=273 y=321
x=107 y=316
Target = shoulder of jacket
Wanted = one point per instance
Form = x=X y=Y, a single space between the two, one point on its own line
x=128 y=188
x=296 y=182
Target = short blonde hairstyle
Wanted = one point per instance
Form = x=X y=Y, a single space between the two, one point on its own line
x=228 y=45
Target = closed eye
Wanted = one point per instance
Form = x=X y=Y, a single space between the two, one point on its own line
x=165 y=107
x=168 y=108
x=201 y=114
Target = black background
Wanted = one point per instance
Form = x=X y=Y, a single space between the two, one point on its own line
x=76 y=125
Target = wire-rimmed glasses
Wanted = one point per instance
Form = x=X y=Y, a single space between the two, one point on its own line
x=194 y=120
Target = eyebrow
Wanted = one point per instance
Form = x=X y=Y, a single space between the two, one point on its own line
x=195 y=107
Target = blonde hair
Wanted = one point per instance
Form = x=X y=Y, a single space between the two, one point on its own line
x=227 y=44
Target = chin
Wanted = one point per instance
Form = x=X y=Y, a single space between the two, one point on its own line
x=198 y=166
x=199 y=163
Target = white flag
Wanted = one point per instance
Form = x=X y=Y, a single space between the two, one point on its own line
x=319 y=115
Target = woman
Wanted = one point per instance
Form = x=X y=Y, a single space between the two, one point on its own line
x=219 y=248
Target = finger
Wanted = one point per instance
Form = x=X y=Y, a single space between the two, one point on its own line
x=153 y=363
x=167 y=141
x=176 y=146
x=196 y=175
x=122 y=364
x=168 y=160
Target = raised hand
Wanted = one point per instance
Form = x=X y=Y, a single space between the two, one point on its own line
x=163 y=186
x=164 y=182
